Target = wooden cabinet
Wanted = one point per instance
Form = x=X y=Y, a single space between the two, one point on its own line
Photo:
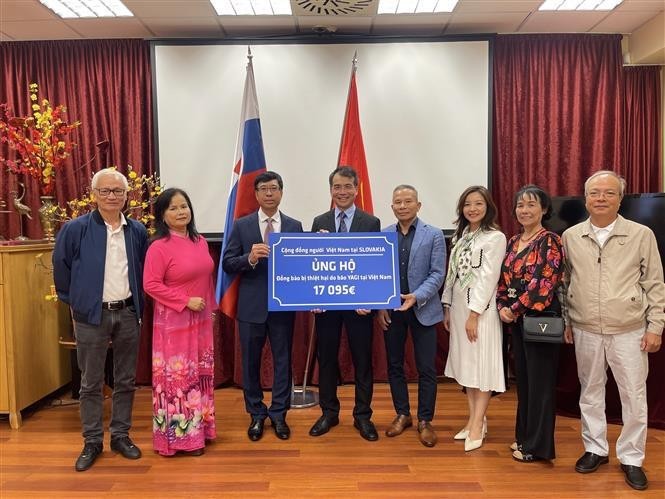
x=32 y=363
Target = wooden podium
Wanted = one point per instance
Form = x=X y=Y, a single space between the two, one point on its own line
x=32 y=363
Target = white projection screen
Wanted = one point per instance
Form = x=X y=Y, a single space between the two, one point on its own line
x=424 y=112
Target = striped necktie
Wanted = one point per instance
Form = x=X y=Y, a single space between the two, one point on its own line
x=342 y=222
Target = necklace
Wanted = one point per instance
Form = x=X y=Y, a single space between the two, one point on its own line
x=531 y=236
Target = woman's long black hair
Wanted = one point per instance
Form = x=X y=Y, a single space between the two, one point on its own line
x=162 y=204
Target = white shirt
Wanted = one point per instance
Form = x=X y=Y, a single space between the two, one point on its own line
x=116 y=272
x=349 y=212
x=263 y=222
x=602 y=233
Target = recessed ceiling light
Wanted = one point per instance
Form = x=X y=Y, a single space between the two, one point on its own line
x=252 y=7
x=72 y=9
x=415 y=6
x=579 y=4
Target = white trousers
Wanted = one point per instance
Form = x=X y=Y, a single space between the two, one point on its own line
x=630 y=366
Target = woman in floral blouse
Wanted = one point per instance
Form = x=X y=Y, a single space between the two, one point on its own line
x=531 y=274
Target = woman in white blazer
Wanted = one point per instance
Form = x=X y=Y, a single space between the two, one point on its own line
x=475 y=354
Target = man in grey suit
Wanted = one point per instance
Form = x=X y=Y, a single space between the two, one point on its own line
x=422 y=261
x=345 y=217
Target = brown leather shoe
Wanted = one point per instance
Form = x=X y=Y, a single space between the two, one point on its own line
x=426 y=434
x=399 y=424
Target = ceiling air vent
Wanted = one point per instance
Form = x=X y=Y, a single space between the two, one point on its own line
x=334 y=7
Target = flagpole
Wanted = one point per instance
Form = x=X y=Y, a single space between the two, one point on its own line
x=354 y=66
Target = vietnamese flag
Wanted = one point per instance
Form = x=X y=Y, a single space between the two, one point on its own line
x=352 y=149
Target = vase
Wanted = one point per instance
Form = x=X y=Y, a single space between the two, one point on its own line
x=47 y=217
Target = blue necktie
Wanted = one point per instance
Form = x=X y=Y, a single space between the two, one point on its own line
x=342 y=223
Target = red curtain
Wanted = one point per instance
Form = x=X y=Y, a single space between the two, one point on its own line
x=558 y=113
x=565 y=107
x=642 y=126
x=105 y=84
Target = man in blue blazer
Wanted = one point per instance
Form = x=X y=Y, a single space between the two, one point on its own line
x=247 y=254
x=345 y=217
x=422 y=261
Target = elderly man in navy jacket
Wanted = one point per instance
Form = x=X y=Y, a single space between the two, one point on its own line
x=98 y=271
x=247 y=254
x=422 y=261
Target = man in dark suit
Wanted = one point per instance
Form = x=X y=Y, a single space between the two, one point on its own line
x=345 y=217
x=246 y=253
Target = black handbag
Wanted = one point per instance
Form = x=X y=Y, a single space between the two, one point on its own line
x=545 y=327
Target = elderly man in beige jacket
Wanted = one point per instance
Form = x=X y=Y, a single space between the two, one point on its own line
x=615 y=300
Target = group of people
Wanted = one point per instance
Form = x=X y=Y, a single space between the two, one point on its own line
x=604 y=277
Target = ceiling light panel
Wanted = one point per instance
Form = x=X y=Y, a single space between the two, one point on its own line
x=252 y=7
x=415 y=6
x=72 y=9
x=388 y=6
x=407 y=6
x=445 y=6
x=579 y=4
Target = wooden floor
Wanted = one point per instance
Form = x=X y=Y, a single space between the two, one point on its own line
x=38 y=460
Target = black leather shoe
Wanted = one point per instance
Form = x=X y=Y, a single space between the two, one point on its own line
x=590 y=462
x=255 y=430
x=635 y=477
x=88 y=456
x=126 y=447
x=366 y=428
x=323 y=425
x=195 y=452
x=282 y=430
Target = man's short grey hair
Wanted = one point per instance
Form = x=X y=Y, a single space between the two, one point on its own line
x=402 y=187
x=622 y=181
x=108 y=171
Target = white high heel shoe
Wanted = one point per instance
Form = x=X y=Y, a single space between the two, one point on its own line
x=470 y=445
x=461 y=435
x=464 y=433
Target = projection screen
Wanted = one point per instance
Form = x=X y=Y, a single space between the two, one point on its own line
x=424 y=112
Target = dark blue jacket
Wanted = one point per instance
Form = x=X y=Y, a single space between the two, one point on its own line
x=78 y=265
x=253 y=291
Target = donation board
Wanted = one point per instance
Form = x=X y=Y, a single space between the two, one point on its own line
x=333 y=271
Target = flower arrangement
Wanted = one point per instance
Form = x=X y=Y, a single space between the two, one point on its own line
x=41 y=140
x=141 y=195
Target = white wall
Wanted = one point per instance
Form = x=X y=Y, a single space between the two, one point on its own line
x=424 y=111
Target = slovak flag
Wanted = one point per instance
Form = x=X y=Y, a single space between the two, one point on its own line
x=249 y=162
x=352 y=148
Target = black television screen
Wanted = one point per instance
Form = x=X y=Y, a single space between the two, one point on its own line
x=647 y=209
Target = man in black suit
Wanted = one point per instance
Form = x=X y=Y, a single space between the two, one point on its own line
x=345 y=217
x=247 y=254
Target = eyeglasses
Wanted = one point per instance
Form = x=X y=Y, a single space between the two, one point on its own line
x=271 y=189
x=598 y=194
x=343 y=187
x=104 y=192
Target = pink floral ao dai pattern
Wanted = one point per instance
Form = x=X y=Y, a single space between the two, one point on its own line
x=182 y=344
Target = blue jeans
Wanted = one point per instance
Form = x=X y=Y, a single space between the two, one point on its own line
x=121 y=329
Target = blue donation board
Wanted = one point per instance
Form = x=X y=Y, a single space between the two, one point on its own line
x=333 y=271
